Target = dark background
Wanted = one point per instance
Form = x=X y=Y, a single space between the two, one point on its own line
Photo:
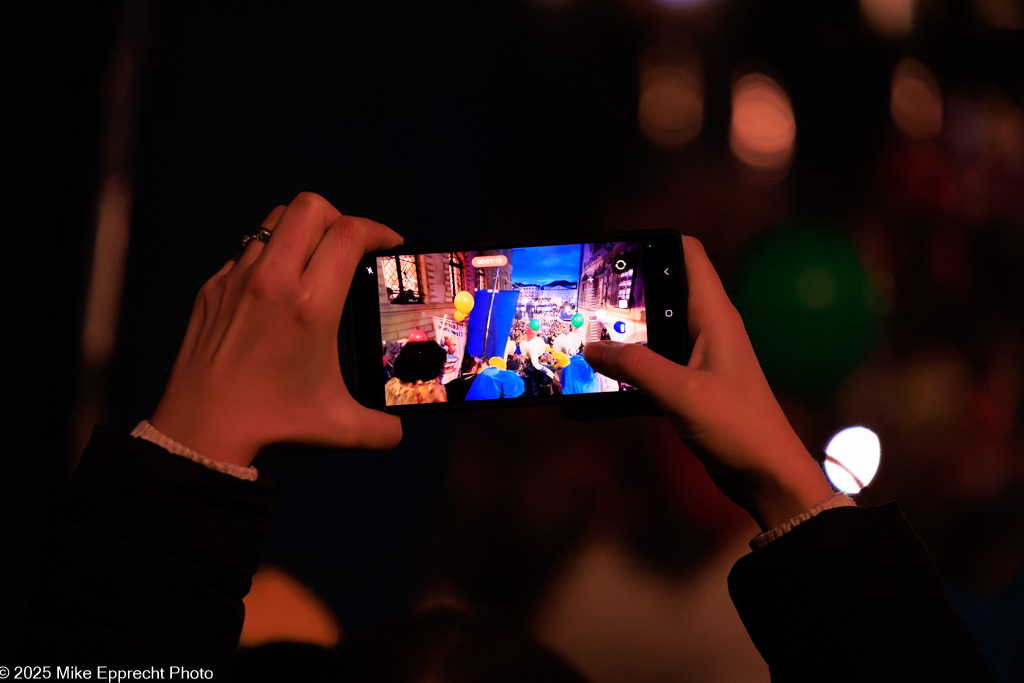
x=498 y=118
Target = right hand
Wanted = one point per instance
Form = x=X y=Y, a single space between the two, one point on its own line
x=721 y=405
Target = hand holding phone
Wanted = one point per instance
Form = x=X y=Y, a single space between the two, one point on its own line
x=721 y=404
x=259 y=362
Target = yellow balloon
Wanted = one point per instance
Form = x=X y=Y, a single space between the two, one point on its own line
x=561 y=360
x=464 y=302
x=459 y=316
x=497 y=362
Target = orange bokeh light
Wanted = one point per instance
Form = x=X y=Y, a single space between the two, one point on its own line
x=915 y=100
x=893 y=18
x=763 y=130
x=1002 y=14
x=670 y=108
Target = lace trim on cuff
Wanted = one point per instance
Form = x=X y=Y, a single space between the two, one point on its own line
x=144 y=430
x=835 y=501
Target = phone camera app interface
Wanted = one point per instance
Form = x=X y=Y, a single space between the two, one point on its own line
x=505 y=324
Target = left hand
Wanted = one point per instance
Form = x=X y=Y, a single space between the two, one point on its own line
x=259 y=363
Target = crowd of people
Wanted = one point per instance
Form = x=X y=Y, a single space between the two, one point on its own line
x=536 y=364
x=551 y=324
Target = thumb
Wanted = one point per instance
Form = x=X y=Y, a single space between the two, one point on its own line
x=639 y=366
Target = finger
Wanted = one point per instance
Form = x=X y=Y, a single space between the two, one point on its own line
x=270 y=222
x=298 y=231
x=255 y=247
x=204 y=310
x=334 y=262
x=708 y=308
x=705 y=287
x=212 y=288
x=634 y=364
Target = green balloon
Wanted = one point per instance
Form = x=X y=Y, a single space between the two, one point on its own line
x=808 y=305
x=577 y=320
x=534 y=324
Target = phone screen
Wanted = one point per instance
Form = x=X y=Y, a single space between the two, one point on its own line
x=478 y=326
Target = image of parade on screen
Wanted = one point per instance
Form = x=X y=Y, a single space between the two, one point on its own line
x=505 y=323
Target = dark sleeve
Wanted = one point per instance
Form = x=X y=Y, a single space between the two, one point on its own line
x=852 y=595
x=149 y=561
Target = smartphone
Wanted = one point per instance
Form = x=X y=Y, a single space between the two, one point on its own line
x=477 y=325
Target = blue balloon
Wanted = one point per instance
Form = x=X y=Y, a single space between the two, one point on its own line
x=619 y=327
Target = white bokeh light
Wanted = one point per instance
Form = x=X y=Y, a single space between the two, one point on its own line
x=851 y=458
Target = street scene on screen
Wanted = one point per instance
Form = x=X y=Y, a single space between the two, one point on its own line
x=505 y=323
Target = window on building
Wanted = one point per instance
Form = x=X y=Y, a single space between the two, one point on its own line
x=625 y=288
x=456 y=273
x=401 y=276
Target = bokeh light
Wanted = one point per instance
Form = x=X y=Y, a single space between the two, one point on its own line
x=852 y=458
x=670 y=109
x=762 y=133
x=915 y=100
x=892 y=18
x=986 y=132
x=674 y=4
x=810 y=308
x=1005 y=122
x=554 y=4
x=966 y=128
x=1002 y=14
x=816 y=287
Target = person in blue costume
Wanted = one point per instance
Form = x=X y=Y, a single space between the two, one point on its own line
x=496 y=381
x=579 y=378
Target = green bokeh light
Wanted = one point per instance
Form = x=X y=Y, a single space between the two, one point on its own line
x=808 y=306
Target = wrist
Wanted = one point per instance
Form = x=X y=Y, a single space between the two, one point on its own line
x=779 y=530
x=214 y=444
x=146 y=430
x=780 y=498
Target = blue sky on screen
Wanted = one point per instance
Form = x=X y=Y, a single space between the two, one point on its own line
x=541 y=265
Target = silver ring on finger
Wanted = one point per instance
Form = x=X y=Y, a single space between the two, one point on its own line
x=261 y=235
